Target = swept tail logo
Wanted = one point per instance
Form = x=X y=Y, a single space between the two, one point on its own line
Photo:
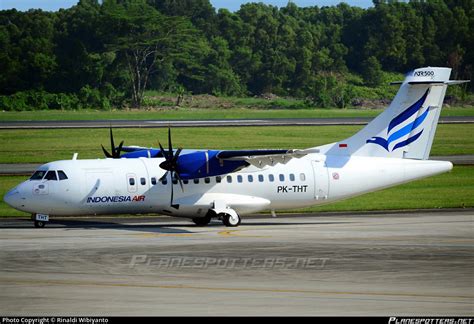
x=405 y=130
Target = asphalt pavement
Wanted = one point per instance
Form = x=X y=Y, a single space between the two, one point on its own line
x=389 y=264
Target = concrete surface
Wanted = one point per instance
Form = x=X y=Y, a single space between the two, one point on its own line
x=340 y=264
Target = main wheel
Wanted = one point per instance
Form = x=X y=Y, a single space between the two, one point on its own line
x=230 y=221
x=202 y=221
x=39 y=224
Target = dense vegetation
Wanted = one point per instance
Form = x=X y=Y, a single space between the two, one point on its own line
x=102 y=54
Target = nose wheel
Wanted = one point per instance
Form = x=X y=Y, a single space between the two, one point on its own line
x=39 y=224
x=40 y=220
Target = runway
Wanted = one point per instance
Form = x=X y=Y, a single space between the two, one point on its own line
x=205 y=123
x=413 y=263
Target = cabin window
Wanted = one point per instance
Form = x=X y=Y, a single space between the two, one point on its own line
x=51 y=175
x=271 y=178
x=302 y=177
x=62 y=175
x=250 y=178
x=153 y=181
x=229 y=179
x=281 y=177
x=260 y=178
x=292 y=177
x=207 y=180
x=164 y=181
x=218 y=179
x=142 y=181
x=239 y=179
x=185 y=181
x=38 y=175
x=196 y=181
x=131 y=181
x=175 y=181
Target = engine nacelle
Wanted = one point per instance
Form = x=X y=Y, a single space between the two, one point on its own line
x=195 y=164
x=201 y=164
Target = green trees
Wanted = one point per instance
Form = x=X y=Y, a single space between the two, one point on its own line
x=102 y=54
x=371 y=71
x=27 y=59
x=143 y=38
x=220 y=78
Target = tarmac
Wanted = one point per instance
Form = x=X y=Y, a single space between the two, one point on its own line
x=399 y=263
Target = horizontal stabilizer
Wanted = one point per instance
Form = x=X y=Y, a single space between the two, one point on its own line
x=450 y=82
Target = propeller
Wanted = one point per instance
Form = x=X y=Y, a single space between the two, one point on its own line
x=115 y=150
x=170 y=164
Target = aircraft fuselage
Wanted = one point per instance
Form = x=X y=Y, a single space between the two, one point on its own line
x=135 y=186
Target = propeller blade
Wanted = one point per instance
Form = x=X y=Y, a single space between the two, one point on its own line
x=112 y=144
x=164 y=176
x=180 y=181
x=163 y=151
x=107 y=154
x=170 y=146
x=172 y=191
x=119 y=149
x=175 y=206
x=174 y=161
x=115 y=151
x=170 y=164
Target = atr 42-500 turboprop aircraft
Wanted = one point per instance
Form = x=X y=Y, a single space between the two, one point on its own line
x=392 y=149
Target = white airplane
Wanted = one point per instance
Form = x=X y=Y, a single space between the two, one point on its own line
x=392 y=149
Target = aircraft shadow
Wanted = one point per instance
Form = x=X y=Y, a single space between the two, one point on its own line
x=161 y=228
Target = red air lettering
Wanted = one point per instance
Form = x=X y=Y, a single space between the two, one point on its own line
x=139 y=198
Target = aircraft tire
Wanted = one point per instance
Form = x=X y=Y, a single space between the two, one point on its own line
x=202 y=221
x=229 y=222
x=39 y=224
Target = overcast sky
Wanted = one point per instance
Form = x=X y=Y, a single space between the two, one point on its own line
x=232 y=5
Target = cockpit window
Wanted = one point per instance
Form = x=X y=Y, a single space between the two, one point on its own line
x=62 y=175
x=51 y=175
x=38 y=175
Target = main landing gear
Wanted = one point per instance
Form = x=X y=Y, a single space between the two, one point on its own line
x=229 y=220
x=202 y=221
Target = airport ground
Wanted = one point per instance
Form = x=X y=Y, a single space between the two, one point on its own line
x=412 y=263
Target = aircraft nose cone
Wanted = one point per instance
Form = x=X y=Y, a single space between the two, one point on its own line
x=12 y=198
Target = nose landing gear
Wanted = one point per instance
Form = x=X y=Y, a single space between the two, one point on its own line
x=39 y=224
x=40 y=220
x=229 y=218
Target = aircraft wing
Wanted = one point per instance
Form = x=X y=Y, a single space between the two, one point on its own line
x=262 y=158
